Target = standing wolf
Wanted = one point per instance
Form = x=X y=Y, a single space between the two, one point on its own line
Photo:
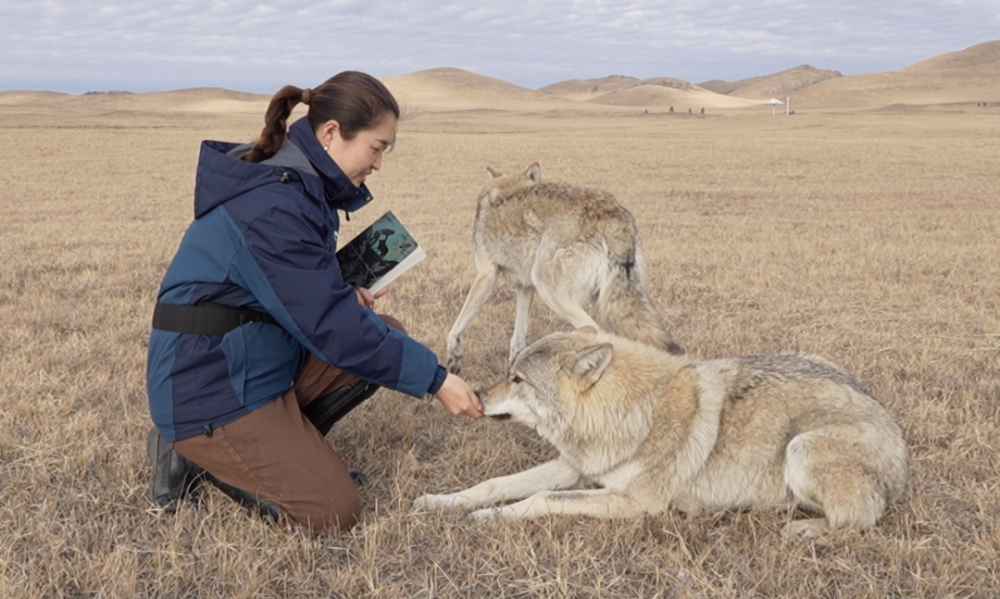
x=657 y=430
x=575 y=246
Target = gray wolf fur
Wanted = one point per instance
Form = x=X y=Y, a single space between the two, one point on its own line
x=657 y=430
x=574 y=246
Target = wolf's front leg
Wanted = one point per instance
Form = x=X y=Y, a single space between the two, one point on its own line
x=480 y=291
x=596 y=503
x=556 y=474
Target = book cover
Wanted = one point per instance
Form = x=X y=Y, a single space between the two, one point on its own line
x=379 y=254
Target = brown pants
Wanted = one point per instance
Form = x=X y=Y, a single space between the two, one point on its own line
x=279 y=456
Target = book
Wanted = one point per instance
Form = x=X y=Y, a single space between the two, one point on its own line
x=379 y=254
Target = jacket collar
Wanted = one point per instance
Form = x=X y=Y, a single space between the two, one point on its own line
x=330 y=182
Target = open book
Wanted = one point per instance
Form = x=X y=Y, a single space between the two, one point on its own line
x=379 y=254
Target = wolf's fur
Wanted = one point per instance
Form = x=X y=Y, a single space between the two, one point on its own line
x=657 y=430
x=575 y=246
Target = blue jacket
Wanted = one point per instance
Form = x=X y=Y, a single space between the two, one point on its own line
x=264 y=237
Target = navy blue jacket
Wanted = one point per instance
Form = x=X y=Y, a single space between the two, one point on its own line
x=264 y=237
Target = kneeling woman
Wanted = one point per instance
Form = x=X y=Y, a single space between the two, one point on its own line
x=258 y=346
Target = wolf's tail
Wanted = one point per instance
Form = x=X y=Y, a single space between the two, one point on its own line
x=623 y=305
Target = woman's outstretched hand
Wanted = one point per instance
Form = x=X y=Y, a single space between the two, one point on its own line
x=458 y=398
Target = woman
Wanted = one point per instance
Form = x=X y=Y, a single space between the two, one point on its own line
x=258 y=346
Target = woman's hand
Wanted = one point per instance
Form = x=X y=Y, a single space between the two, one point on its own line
x=458 y=398
x=367 y=299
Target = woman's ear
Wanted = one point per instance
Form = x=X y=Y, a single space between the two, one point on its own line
x=328 y=132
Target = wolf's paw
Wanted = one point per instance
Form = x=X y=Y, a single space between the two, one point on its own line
x=442 y=502
x=487 y=514
x=806 y=529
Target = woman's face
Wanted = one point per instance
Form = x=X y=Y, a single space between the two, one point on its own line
x=360 y=156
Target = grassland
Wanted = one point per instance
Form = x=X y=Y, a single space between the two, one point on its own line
x=868 y=237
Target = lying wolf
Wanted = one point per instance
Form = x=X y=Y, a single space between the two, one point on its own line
x=574 y=246
x=657 y=430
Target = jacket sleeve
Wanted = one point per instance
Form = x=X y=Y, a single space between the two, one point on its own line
x=285 y=264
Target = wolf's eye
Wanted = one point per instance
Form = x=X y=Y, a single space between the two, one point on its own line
x=516 y=379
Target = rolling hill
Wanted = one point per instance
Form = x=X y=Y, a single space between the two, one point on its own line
x=656 y=92
x=199 y=99
x=776 y=85
x=585 y=89
x=967 y=76
x=970 y=76
x=449 y=88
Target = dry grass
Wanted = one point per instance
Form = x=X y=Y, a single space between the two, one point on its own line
x=870 y=238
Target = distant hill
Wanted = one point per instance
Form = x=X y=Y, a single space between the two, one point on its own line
x=970 y=75
x=765 y=87
x=18 y=97
x=966 y=76
x=983 y=58
x=585 y=89
x=197 y=99
x=656 y=92
x=663 y=92
x=448 y=88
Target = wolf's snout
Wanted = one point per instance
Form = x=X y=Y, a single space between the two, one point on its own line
x=481 y=394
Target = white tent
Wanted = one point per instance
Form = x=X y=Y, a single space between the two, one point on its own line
x=774 y=102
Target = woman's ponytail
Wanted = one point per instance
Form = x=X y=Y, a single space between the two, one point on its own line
x=276 y=122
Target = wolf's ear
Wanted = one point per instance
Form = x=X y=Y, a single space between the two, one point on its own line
x=492 y=174
x=534 y=173
x=589 y=364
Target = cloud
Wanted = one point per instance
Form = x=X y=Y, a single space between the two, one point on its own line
x=258 y=45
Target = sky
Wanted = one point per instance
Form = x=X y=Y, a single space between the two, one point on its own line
x=257 y=46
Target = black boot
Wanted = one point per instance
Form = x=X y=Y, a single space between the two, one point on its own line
x=174 y=476
x=325 y=411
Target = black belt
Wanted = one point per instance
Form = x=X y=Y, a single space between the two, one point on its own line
x=205 y=319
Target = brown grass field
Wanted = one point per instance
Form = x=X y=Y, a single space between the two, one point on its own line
x=867 y=236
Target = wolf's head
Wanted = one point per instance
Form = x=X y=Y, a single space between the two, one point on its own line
x=547 y=381
x=531 y=176
x=503 y=186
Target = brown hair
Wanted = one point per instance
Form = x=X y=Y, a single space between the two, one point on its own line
x=357 y=101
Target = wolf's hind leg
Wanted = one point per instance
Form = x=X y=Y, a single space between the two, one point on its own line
x=567 y=282
x=827 y=469
x=518 y=340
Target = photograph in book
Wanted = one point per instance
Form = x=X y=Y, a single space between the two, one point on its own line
x=379 y=254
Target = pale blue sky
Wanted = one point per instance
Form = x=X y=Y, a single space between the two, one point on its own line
x=259 y=45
